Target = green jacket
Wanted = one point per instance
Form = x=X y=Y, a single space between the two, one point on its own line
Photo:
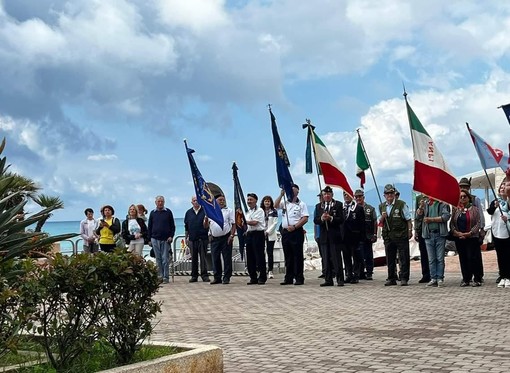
x=398 y=227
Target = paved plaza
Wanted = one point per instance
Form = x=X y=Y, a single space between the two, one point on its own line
x=356 y=328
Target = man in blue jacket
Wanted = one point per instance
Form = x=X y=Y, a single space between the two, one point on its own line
x=161 y=231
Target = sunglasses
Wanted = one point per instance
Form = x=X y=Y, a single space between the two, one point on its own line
x=463 y=196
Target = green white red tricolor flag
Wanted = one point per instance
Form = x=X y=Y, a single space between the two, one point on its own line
x=361 y=162
x=432 y=176
x=328 y=167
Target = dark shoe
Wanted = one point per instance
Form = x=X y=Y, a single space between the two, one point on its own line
x=463 y=284
x=226 y=282
x=193 y=279
x=299 y=283
x=475 y=284
x=285 y=283
x=404 y=283
x=327 y=284
x=214 y=282
x=252 y=282
x=390 y=283
x=348 y=280
x=354 y=281
x=205 y=279
x=369 y=277
x=322 y=276
x=261 y=282
x=363 y=276
x=424 y=280
x=340 y=283
x=498 y=280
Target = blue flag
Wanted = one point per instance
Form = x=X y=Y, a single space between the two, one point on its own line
x=282 y=161
x=506 y=109
x=238 y=198
x=204 y=195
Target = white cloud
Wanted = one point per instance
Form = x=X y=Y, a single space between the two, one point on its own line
x=197 y=15
x=102 y=157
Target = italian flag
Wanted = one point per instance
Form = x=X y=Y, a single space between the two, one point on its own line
x=328 y=167
x=361 y=163
x=432 y=176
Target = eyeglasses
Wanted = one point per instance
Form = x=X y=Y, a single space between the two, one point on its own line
x=463 y=196
x=357 y=197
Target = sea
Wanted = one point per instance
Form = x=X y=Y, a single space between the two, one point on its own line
x=54 y=228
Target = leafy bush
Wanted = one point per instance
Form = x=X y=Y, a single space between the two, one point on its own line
x=129 y=284
x=84 y=298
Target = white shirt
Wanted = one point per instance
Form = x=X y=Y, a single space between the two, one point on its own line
x=134 y=228
x=292 y=212
x=228 y=220
x=256 y=214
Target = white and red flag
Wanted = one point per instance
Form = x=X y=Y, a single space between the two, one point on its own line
x=432 y=176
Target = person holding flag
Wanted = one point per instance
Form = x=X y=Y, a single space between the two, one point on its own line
x=222 y=238
x=295 y=216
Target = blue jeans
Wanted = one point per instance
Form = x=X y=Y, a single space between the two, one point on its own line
x=162 y=252
x=435 y=251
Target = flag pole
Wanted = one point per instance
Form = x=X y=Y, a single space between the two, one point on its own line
x=369 y=165
x=308 y=125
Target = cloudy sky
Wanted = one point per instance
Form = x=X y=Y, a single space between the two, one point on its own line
x=96 y=96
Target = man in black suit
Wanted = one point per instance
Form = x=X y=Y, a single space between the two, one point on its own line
x=329 y=216
x=354 y=233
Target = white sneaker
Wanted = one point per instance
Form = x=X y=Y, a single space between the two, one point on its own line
x=270 y=274
x=432 y=283
x=440 y=283
x=507 y=283
x=502 y=283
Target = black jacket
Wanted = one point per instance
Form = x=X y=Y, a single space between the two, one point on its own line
x=330 y=231
x=125 y=230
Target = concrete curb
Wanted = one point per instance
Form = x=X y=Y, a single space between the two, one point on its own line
x=197 y=358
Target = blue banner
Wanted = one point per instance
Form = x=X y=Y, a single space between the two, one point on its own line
x=282 y=161
x=204 y=195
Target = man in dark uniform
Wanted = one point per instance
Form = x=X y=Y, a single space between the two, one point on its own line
x=354 y=232
x=329 y=216
x=370 y=235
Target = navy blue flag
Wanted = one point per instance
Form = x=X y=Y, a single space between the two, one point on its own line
x=506 y=109
x=282 y=161
x=238 y=198
x=204 y=195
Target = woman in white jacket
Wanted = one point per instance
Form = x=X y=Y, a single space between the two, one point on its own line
x=271 y=216
x=499 y=210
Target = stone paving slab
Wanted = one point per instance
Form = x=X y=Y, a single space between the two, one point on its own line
x=356 y=328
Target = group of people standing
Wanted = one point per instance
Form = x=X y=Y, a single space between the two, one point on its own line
x=345 y=233
x=136 y=231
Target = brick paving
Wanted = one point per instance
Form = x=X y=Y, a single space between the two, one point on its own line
x=358 y=328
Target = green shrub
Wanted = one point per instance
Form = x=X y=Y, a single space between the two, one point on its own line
x=129 y=285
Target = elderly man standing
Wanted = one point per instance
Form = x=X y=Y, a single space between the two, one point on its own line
x=370 y=235
x=295 y=216
x=197 y=239
x=255 y=240
x=161 y=231
x=396 y=232
x=329 y=216
x=221 y=242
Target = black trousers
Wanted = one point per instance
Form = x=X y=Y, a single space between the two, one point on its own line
x=255 y=256
x=368 y=257
x=292 y=243
x=221 y=249
x=270 y=254
x=198 y=252
x=424 y=258
x=333 y=262
x=402 y=248
x=470 y=258
x=353 y=251
x=502 y=246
